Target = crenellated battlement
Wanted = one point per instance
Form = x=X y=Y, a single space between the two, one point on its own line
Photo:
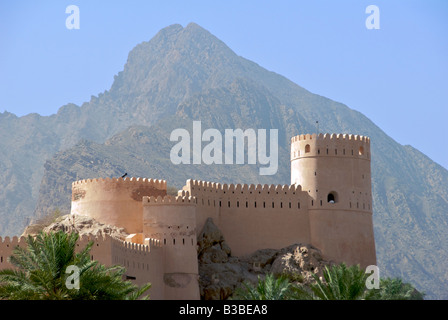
x=12 y=242
x=330 y=136
x=333 y=145
x=156 y=183
x=148 y=246
x=195 y=187
x=166 y=200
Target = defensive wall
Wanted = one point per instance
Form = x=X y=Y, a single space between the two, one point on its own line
x=252 y=217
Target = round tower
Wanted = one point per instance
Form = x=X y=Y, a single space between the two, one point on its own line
x=172 y=221
x=117 y=202
x=335 y=171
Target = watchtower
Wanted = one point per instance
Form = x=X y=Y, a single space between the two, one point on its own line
x=172 y=221
x=115 y=201
x=335 y=171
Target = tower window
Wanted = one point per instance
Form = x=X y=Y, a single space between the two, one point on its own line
x=332 y=197
x=361 y=150
x=307 y=148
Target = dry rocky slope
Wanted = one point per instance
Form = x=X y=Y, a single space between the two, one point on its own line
x=220 y=273
x=184 y=74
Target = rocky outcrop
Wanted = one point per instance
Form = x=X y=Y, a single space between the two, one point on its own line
x=83 y=225
x=220 y=273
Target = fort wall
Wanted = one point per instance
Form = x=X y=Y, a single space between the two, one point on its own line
x=252 y=217
x=115 y=201
x=143 y=262
x=7 y=246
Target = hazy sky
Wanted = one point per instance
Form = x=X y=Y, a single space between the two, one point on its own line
x=395 y=75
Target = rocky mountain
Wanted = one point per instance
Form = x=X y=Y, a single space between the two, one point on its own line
x=186 y=74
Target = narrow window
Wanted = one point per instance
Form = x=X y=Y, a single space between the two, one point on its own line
x=335 y=151
x=361 y=150
x=307 y=148
x=332 y=197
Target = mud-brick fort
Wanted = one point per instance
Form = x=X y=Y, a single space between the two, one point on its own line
x=328 y=205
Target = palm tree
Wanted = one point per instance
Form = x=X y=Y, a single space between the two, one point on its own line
x=269 y=288
x=40 y=272
x=339 y=283
x=394 y=289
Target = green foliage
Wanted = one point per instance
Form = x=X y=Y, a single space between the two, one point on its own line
x=339 y=282
x=394 y=289
x=269 y=288
x=40 y=272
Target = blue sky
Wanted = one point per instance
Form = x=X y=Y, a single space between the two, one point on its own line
x=396 y=75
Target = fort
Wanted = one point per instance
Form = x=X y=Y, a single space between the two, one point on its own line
x=328 y=204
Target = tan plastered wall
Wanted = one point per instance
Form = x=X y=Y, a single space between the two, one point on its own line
x=115 y=201
x=172 y=220
x=253 y=217
x=143 y=262
x=337 y=166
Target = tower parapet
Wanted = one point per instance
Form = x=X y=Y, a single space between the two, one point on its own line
x=115 y=201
